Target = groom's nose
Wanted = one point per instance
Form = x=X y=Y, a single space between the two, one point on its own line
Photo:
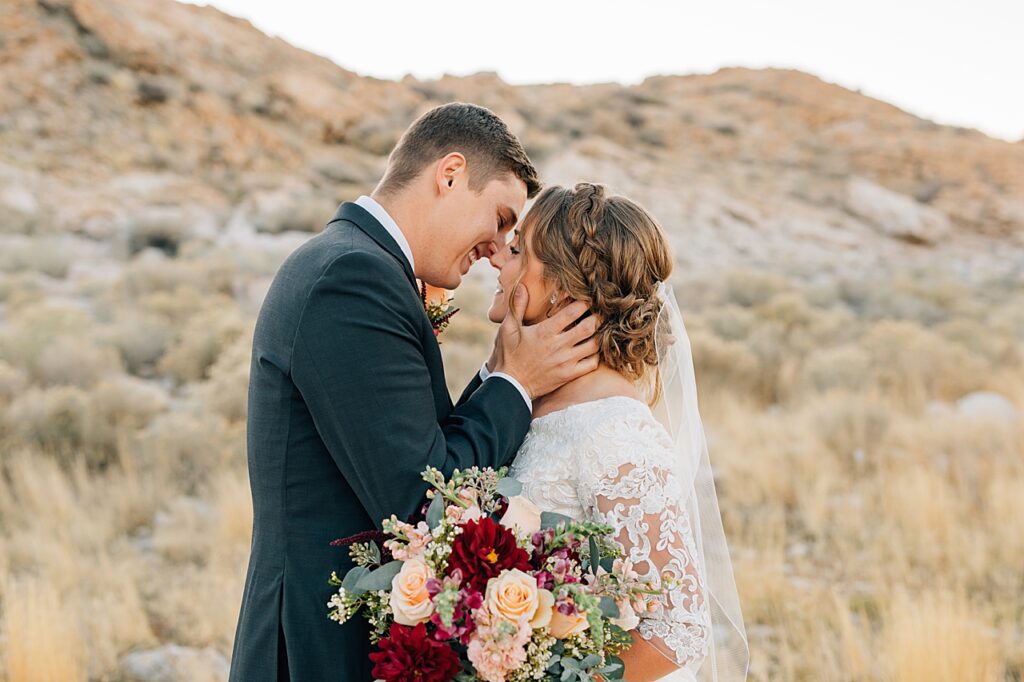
x=496 y=257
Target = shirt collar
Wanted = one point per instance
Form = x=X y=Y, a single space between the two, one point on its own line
x=377 y=211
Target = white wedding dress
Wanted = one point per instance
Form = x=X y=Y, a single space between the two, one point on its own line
x=611 y=460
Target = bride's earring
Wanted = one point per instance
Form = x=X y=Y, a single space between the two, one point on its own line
x=554 y=300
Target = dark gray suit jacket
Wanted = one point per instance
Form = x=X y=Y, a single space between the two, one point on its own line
x=347 y=405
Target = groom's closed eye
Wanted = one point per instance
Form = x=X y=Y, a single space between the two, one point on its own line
x=507 y=218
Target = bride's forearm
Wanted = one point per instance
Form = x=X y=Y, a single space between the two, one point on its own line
x=643 y=662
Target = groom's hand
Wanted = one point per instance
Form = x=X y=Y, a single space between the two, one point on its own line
x=546 y=355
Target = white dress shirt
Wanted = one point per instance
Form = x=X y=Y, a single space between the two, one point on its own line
x=377 y=211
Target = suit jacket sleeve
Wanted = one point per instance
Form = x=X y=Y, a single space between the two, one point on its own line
x=470 y=389
x=358 y=362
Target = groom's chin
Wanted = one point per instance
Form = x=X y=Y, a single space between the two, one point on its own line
x=449 y=281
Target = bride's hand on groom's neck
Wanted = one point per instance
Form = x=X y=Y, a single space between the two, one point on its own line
x=547 y=355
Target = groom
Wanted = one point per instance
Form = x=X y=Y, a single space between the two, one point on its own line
x=347 y=396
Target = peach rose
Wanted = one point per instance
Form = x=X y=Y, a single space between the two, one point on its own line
x=522 y=514
x=545 y=604
x=410 y=601
x=513 y=595
x=563 y=626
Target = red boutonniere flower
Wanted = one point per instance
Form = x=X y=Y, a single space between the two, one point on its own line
x=483 y=550
x=409 y=655
x=438 y=304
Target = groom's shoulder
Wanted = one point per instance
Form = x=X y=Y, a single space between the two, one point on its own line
x=340 y=251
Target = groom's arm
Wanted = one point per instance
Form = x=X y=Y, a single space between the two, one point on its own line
x=474 y=383
x=359 y=364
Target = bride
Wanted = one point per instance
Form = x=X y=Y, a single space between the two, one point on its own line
x=624 y=444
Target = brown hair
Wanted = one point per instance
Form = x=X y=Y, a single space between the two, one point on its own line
x=491 y=150
x=611 y=253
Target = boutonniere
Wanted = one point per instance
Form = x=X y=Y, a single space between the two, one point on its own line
x=438 y=304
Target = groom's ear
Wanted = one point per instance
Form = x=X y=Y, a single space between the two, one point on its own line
x=449 y=172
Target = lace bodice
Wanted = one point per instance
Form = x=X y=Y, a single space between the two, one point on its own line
x=611 y=460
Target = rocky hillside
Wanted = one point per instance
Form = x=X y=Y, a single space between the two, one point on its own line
x=134 y=123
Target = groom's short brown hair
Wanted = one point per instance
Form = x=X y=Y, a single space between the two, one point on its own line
x=491 y=150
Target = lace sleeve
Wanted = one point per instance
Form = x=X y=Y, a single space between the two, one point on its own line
x=635 y=491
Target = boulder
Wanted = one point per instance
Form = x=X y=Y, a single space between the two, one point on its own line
x=987 y=405
x=19 y=210
x=296 y=208
x=895 y=215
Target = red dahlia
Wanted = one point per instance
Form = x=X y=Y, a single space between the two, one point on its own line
x=409 y=655
x=483 y=550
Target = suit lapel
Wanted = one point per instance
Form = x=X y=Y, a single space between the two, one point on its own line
x=361 y=218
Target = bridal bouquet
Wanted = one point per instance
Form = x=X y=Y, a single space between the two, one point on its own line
x=489 y=588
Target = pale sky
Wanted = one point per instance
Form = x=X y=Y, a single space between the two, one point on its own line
x=957 y=63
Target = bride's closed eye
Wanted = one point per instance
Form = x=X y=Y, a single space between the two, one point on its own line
x=513 y=246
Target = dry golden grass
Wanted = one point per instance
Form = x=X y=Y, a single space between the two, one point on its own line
x=875 y=530
x=939 y=637
x=42 y=642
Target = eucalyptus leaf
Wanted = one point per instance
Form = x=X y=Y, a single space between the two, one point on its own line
x=595 y=555
x=552 y=519
x=617 y=668
x=509 y=487
x=567 y=674
x=352 y=578
x=374 y=552
x=590 y=661
x=380 y=578
x=435 y=512
x=606 y=563
x=612 y=671
x=569 y=662
x=609 y=609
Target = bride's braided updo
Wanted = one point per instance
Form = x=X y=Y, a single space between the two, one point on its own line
x=610 y=252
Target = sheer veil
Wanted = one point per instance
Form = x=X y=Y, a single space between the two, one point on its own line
x=677 y=410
